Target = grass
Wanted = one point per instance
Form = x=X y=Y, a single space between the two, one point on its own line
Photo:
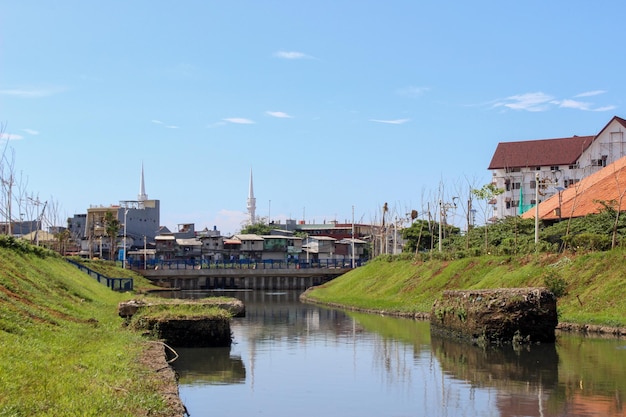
x=63 y=350
x=595 y=285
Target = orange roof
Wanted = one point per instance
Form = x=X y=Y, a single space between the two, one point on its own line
x=580 y=199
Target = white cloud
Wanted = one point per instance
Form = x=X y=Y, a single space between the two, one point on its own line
x=278 y=114
x=31 y=92
x=229 y=222
x=239 y=120
x=604 y=108
x=31 y=131
x=291 y=55
x=590 y=93
x=528 y=101
x=10 y=136
x=159 y=122
x=539 y=101
x=574 y=104
x=391 y=122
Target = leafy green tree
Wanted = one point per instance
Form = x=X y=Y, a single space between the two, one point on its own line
x=419 y=236
x=257 y=229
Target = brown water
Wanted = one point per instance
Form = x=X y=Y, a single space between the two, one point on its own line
x=293 y=359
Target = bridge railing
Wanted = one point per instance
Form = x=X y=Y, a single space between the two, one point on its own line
x=244 y=264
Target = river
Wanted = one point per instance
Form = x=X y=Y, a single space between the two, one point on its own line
x=294 y=359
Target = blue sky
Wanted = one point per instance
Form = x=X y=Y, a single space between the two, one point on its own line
x=332 y=104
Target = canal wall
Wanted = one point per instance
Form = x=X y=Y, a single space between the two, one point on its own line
x=496 y=316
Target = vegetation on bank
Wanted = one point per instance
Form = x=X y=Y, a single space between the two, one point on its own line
x=591 y=286
x=63 y=349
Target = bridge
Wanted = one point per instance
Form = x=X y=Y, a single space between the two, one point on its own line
x=242 y=274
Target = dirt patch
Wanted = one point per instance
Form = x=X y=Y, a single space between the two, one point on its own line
x=154 y=359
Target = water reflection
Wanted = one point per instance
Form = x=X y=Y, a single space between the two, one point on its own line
x=199 y=366
x=290 y=359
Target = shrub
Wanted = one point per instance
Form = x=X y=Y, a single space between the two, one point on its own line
x=555 y=283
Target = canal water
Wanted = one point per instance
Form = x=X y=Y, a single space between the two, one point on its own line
x=294 y=359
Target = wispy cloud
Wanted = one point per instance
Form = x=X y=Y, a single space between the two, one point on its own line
x=539 y=101
x=10 y=136
x=239 y=120
x=159 y=122
x=278 y=114
x=391 y=122
x=412 y=91
x=291 y=55
x=31 y=92
x=31 y=131
x=590 y=93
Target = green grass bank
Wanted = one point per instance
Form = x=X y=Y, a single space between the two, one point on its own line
x=594 y=284
x=63 y=348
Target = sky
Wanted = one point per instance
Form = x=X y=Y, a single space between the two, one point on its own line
x=337 y=107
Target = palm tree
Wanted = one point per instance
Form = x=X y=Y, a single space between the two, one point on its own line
x=112 y=228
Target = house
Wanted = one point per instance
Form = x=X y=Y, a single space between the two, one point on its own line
x=552 y=165
x=250 y=247
x=165 y=246
x=318 y=248
x=584 y=197
x=281 y=247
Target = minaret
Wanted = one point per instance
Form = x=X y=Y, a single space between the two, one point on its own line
x=251 y=202
x=142 y=188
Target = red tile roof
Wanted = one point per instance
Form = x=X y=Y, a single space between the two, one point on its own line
x=545 y=152
x=582 y=198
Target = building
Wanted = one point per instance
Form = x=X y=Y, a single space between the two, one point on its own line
x=542 y=168
x=138 y=220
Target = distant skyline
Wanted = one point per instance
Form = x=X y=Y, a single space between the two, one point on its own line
x=332 y=104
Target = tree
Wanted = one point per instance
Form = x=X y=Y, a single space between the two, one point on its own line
x=112 y=228
x=257 y=229
x=486 y=193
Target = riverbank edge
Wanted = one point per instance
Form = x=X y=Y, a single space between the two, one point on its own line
x=585 y=329
x=154 y=359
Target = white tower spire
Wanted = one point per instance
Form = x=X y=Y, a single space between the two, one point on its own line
x=251 y=202
x=142 y=188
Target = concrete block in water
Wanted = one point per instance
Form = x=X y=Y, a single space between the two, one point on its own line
x=496 y=316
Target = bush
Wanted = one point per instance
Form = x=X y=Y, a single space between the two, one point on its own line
x=588 y=241
x=555 y=283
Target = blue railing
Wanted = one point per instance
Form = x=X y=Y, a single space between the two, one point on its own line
x=244 y=264
x=116 y=284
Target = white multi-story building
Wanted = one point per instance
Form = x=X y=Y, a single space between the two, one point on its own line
x=551 y=164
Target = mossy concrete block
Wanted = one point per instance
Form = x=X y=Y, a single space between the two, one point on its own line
x=497 y=316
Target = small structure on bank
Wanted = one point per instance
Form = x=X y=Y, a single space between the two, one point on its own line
x=497 y=316
x=184 y=323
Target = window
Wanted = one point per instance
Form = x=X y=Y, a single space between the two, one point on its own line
x=515 y=203
x=575 y=166
x=516 y=185
x=596 y=162
x=533 y=184
x=513 y=170
x=554 y=168
x=537 y=168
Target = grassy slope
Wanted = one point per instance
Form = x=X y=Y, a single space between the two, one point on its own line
x=596 y=283
x=63 y=351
